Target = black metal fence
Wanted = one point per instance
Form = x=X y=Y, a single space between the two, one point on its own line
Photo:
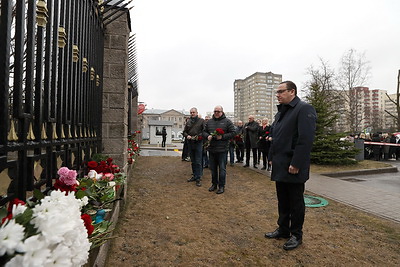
x=51 y=68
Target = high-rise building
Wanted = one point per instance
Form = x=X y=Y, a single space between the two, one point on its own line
x=361 y=109
x=390 y=107
x=255 y=95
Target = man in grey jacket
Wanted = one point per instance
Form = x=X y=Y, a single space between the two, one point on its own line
x=218 y=131
x=193 y=132
x=293 y=134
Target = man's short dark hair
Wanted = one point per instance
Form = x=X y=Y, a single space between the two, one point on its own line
x=290 y=85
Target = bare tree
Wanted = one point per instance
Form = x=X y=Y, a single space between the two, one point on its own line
x=354 y=71
x=396 y=102
x=323 y=77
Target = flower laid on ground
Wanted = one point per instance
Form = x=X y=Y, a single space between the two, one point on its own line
x=67 y=180
x=51 y=232
x=133 y=147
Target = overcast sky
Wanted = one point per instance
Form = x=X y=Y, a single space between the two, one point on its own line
x=190 y=52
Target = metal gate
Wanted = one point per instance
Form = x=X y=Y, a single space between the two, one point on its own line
x=51 y=68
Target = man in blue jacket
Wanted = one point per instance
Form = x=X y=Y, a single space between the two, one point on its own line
x=293 y=134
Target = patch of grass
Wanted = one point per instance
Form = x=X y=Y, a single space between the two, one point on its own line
x=361 y=165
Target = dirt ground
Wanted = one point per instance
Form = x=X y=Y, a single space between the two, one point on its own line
x=167 y=221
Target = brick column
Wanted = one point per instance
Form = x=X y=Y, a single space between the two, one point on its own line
x=115 y=89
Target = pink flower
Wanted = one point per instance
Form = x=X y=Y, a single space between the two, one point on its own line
x=67 y=176
x=63 y=171
x=109 y=176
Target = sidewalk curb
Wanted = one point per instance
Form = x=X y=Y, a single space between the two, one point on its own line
x=360 y=172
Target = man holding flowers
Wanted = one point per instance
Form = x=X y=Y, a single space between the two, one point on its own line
x=218 y=131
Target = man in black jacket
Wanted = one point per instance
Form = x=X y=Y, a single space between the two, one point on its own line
x=193 y=132
x=251 y=140
x=218 y=131
x=293 y=133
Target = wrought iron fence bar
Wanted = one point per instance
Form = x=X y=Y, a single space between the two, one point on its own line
x=18 y=59
x=30 y=54
x=47 y=65
x=115 y=11
x=117 y=16
x=108 y=8
x=62 y=71
x=5 y=40
x=54 y=65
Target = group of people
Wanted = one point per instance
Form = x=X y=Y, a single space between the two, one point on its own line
x=388 y=149
x=285 y=147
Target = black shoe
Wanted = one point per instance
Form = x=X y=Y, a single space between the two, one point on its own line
x=292 y=243
x=238 y=161
x=245 y=166
x=269 y=168
x=191 y=179
x=220 y=190
x=198 y=183
x=206 y=166
x=212 y=188
x=277 y=234
x=255 y=166
x=232 y=164
x=263 y=168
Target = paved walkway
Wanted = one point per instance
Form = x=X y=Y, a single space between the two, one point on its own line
x=377 y=201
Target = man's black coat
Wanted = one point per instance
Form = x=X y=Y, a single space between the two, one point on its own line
x=293 y=134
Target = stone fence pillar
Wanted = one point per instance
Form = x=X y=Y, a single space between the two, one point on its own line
x=115 y=89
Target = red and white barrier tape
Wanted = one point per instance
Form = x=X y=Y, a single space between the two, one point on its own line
x=381 y=144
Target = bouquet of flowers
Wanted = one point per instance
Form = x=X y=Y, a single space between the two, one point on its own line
x=197 y=138
x=238 y=138
x=49 y=232
x=133 y=148
x=218 y=131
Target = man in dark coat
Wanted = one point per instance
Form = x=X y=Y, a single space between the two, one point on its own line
x=250 y=140
x=193 y=132
x=239 y=142
x=164 y=136
x=218 y=131
x=293 y=132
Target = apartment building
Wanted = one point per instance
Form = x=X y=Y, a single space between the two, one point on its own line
x=255 y=95
x=390 y=121
x=361 y=109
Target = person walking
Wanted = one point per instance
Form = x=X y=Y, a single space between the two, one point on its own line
x=218 y=131
x=264 y=142
x=293 y=132
x=193 y=132
x=250 y=140
x=164 y=136
x=239 y=142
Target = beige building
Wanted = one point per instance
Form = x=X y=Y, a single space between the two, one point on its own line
x=173 y=118
x=254 y=95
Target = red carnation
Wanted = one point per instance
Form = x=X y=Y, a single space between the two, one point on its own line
x=92 y=164
x=266 y=132
x=87 y=220
x=16 y=202
x=220 y=131
x=63 y=187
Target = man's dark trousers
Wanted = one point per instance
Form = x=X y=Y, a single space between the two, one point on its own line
x=196 y=157
x=291 y=207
